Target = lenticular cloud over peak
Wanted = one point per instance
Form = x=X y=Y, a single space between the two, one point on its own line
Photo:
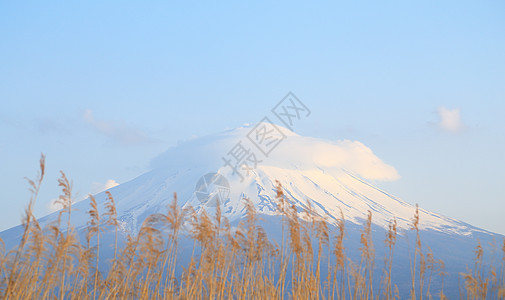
x=292 y=152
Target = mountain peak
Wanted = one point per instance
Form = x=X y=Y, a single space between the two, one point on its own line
x=277 y=146
x=333 y=175
x=248 y=161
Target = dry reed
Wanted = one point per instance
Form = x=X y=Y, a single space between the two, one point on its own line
x=227 y=262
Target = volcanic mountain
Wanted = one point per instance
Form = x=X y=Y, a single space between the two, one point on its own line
x=335 y=177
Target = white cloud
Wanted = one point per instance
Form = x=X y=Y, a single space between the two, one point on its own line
x=358 y=158
x=294 y=152
x=450 y=119
x=97 y=187
x=352 y=156
x=53 y=206
x=120 y=133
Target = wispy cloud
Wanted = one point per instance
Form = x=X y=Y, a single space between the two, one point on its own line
x=57 y=126
x=120 y=133
x=450 y=119
x=97 y=187
x=53 y=206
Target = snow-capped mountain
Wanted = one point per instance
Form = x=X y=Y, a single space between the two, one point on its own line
x=334 y=176
x=331 y=174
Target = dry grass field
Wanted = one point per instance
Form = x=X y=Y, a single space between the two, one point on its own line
x=238 y=262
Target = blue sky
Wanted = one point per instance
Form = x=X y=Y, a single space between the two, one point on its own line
x=103 y=88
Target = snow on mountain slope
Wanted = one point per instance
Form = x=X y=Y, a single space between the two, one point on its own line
x=335 y=176
x=332 y=175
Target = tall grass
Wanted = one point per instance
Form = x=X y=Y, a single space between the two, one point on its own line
x=309 y=261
